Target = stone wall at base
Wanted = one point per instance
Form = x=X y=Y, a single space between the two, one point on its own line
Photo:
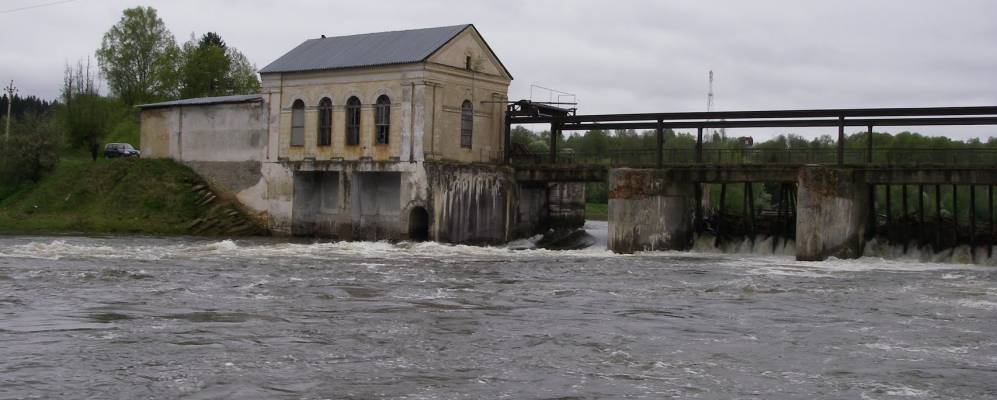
x=832 y=213
x=649 y=210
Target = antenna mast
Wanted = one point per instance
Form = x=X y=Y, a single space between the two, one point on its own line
x=709 y=107
x=709 y=96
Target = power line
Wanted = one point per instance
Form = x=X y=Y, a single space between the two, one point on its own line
x=12 y=10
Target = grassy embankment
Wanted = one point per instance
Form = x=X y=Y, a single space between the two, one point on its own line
x=597 y=211
x=120 y=196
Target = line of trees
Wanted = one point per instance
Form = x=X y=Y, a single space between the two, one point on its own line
x=597 y=143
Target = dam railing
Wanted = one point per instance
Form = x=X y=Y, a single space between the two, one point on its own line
x=898 y=157
x=844 y=152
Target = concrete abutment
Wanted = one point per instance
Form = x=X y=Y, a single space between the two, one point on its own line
x=832 y=213
x=649 y=210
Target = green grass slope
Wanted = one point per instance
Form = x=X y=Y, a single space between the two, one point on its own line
x=122 y=196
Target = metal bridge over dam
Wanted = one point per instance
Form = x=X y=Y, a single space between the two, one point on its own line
x=825 y=199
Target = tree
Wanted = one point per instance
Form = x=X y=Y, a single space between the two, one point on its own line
x=85 y=113
x=32 y=151
x=241 y=75
x=131 y=52
x=211 y=68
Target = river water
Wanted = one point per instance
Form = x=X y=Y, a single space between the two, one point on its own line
x=126 y=317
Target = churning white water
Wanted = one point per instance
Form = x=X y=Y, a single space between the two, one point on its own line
x=145 y=317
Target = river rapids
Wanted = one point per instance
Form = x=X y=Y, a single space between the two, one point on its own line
x=148 y=317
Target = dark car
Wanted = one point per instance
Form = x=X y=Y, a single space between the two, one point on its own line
x=112 y=150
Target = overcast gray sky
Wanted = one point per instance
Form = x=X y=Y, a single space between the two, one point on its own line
x=617 y=56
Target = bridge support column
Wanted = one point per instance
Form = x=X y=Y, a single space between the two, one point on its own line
x=566 y=205
x=649 y=210
x=832 y=214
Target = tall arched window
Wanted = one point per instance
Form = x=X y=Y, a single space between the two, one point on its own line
x=353 y=121
x=325 y=122
x=382 y=119
x=466 y=124
x=298 y=123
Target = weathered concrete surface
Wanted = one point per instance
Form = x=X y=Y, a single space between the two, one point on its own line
x=649 y=210
x=205 y=133
x=350 y=200
x=531 y=216
x=566 y=205
x=316 y=209
x=224 y=143
x=375 y=206
x=561 y=173
x=471 y=204
x=832 y=212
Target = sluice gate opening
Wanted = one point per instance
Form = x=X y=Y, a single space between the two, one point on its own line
x=747 y=216
x=935 y=217
x=418 y=224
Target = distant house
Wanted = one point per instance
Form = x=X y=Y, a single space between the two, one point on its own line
x=351 y=136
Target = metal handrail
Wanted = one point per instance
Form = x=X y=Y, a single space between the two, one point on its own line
x=917 y=156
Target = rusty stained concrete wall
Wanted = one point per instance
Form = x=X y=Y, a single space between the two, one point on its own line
x=466 y=204
x=471 y=204
x=653 y=210
x=832 y=213
x=649 y=210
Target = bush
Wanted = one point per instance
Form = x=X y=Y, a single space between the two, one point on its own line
x=31 y=151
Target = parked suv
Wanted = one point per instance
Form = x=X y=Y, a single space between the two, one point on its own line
x=112 y=150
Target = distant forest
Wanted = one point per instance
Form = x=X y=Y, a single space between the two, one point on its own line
x=24 y=105
x=598 y=142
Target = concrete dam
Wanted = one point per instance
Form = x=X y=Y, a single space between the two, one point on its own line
x=352 y=140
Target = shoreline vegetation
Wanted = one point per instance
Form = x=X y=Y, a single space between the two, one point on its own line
x=124 y=196
x=52 y=177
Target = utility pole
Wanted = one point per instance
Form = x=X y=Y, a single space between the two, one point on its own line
x=11 y=91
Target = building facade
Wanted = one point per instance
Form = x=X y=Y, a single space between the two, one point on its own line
x=391 y=135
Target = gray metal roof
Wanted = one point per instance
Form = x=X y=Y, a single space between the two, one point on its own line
x=246 y=98
x=365 y=50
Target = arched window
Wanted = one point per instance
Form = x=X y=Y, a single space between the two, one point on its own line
x=382 y=119
x=353 y=121
x=466 y=124
x=325 y=122
x=298 y=123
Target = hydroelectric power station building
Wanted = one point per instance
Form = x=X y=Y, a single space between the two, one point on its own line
x=390 y=135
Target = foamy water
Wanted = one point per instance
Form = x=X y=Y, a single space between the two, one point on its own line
x=127 y=317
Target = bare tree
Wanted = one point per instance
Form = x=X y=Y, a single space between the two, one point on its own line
x=86 y=111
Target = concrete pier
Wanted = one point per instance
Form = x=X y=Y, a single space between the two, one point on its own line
x=649 y=210
x=566 y=205
x=832 y=213
x=471 y=204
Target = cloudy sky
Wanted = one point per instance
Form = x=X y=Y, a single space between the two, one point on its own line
x=616 y=56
